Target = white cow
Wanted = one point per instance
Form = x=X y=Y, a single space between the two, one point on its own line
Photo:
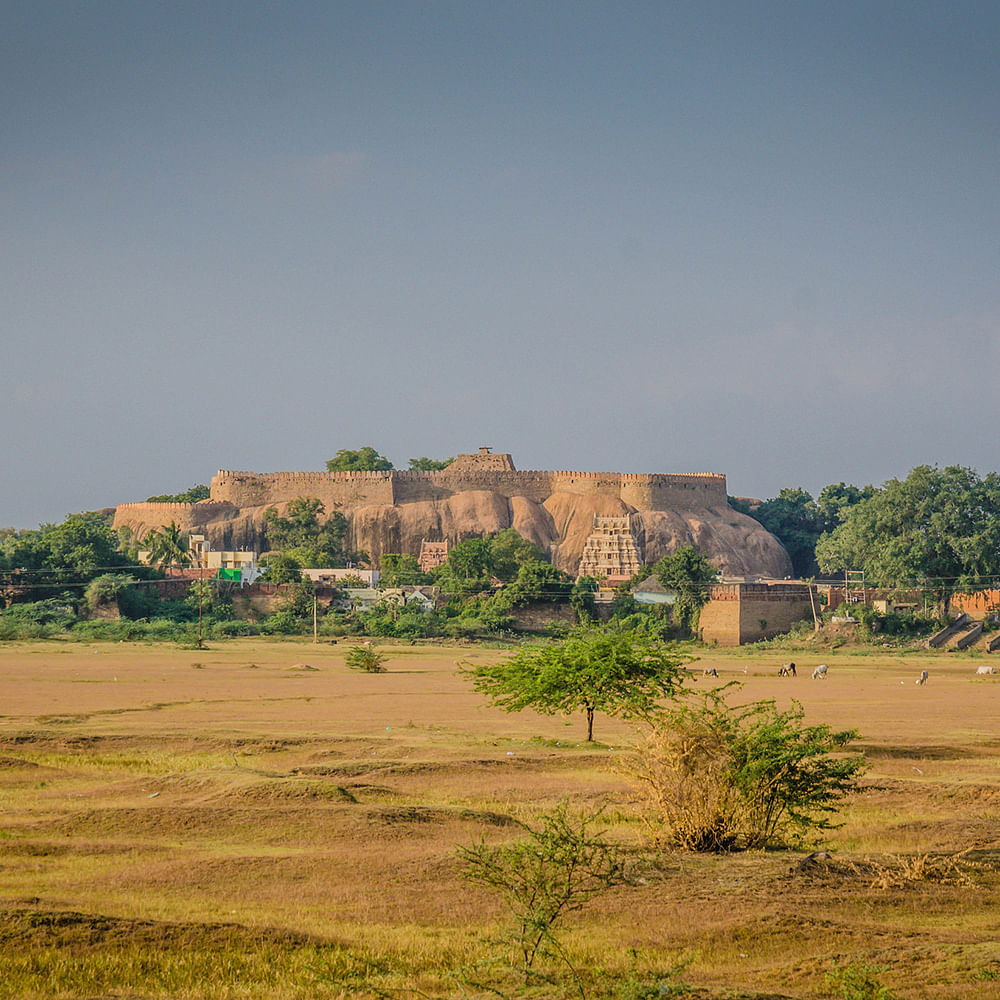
x=820 y=672
x=922 y=679
x=986 y=670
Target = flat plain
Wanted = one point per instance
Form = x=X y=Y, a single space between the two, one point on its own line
x=257 y=820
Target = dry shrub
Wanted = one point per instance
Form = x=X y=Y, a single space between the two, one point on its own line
x=898 y=872
x=723 y=777
x=683 y=774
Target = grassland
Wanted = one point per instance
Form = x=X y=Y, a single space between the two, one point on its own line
x=256 y=820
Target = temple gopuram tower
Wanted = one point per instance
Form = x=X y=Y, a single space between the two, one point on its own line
x=611 y=551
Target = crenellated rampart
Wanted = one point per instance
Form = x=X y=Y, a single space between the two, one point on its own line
x=343 y=490
x=336 y=490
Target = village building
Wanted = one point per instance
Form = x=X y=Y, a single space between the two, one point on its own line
x=331 y=577
x=738 y=613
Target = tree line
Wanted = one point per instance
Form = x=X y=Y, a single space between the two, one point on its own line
x=938 y=528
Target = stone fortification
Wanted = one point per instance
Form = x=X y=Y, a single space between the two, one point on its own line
x=478 y=494
x=338 y=490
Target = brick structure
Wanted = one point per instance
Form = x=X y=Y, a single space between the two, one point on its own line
x=432 y=554
x=737 y=613
x=611 y=552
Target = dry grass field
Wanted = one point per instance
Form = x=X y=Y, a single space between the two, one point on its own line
x=256 y=820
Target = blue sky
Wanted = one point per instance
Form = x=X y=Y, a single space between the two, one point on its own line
x=760 y=239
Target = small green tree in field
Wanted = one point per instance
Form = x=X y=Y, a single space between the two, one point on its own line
x=858 y=981
x=721 y=777
x=614 y=673
x=366 y=658
x=554 y=869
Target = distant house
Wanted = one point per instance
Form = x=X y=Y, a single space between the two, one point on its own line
x=238 y=566
x=332 y=577
x=359 y=598
x=651 y=591
x=413 y=597
x=737 y=613
x=410 y=597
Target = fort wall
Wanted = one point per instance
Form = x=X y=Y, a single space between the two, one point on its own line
x=344 y=490
x=185 y=514
x=336 y=490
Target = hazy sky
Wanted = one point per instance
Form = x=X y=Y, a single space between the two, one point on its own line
x=753 y=238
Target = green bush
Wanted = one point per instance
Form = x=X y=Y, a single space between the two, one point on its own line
x=553 y=870
x=283 y=622
x=365 y=658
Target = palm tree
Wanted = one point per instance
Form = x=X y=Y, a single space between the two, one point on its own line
x=167 y=547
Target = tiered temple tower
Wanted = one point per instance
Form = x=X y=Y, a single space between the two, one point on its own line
x=611 y=551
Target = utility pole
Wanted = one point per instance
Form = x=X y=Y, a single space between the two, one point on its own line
x=315 y=630
x=812 y=601
x=201 y=594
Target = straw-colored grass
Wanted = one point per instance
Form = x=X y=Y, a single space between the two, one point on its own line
x=270 y=833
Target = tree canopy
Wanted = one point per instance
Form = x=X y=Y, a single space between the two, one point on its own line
x=168 y=546
x=193 y=495
x=474 y=563
x=798 y=521
x=398 y=570
x=936 y=526
x=365 y=459
x=425 y=464
x=689 y=573
x=593 y=671
x=300 y=536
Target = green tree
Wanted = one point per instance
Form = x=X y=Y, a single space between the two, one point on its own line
x=192 y=495
x=798 y=521
x=687 y=572
x=581 y=599
x=300 y=535
x=594 y=671
x=209 y=597
x=365 y=658
x=540 y=581
x=107 y=588
x=365 y=459
x=938 y=527
x=425 y=464
x=795 y=520
x=468 y=568
x=68 y=555
x=398 y=570
x=835 y=501
x=509 y=552
x=282 y=568
x=168 y=546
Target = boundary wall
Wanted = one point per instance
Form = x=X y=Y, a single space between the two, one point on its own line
x=734 y=612
x=338 y=490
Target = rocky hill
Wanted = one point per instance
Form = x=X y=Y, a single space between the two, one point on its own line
x=479 y=494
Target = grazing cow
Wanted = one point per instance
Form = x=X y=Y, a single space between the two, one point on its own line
x=820 y=672
x=787 y=670
x=710 y=672
x=986 y=670
x=922 y=679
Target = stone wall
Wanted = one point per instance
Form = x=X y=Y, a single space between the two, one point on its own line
x=342 y=490
x=186 y=515
x=734 y=611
